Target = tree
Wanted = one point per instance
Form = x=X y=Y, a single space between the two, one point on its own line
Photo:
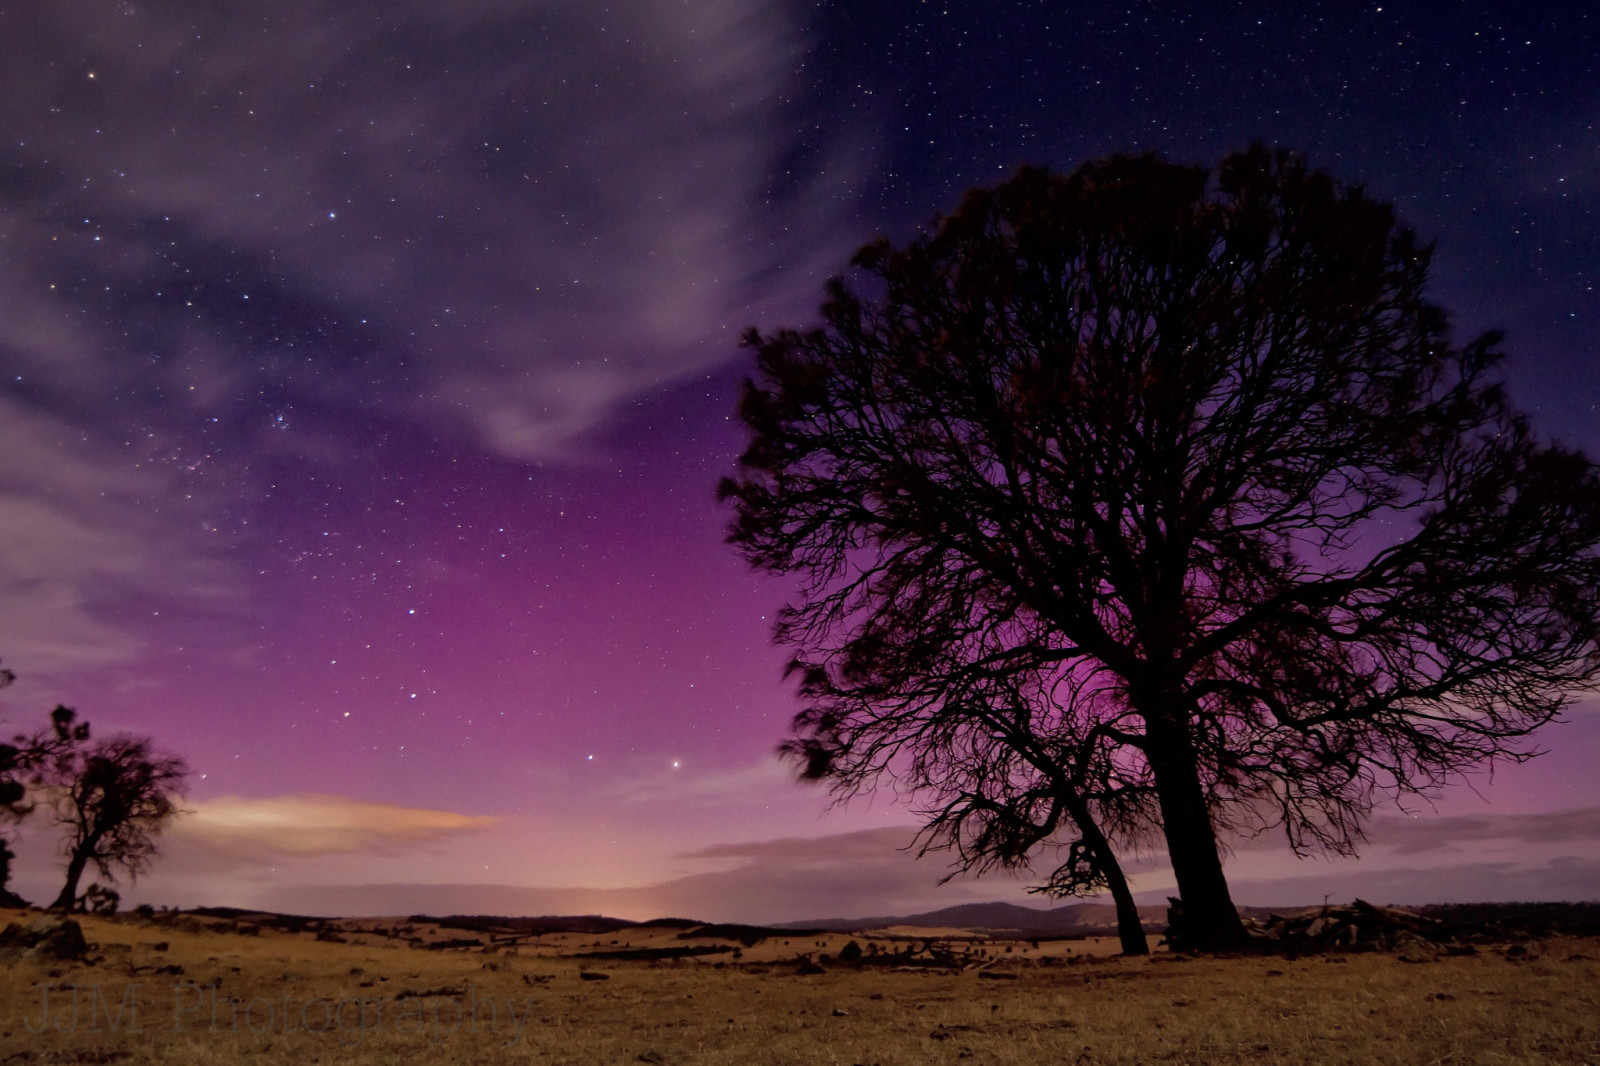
x=1005 y=757
x=21 y=761
x=12 y=792
x=1197 y=448
x=114 y=797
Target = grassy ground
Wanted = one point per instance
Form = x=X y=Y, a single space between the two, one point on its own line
x=199 y=993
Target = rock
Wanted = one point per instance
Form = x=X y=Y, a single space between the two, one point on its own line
x=51 y=938
x=591 y=975
x=809 y=968
x=997 y=975
x=63 y=940
x=1415 y=949
x=837 y=1013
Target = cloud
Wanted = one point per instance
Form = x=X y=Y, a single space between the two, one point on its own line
x=308 y=825
x=714 y=789
x=243 y=249
x=1414 y=834
x=79 y=548
x=1568 y=877
x=861 y=846
x=863 y=873
x=1423 y=834
x=506 y=215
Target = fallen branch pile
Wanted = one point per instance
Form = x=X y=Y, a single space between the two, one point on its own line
x=1358 y=926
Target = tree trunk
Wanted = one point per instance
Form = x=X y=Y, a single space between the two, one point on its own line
x=1210 y=922
x=69 y=891
x=1130 y=929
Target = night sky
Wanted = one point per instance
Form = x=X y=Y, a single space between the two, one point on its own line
x=367 y=370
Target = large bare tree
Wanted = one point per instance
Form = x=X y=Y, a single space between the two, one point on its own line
x=1195 y=445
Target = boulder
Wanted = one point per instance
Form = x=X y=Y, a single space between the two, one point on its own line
x=50 y=938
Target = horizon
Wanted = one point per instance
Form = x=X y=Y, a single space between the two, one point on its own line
x=365 y=386
x=870 y=873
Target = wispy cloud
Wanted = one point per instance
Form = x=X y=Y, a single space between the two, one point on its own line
x=745 y=784
x=79 y=548
x=1424 y=834
x=1569 y=877
x=875 y=872
x=596 y=210
x=299 y=235
x=851 y=875
x=303 y=826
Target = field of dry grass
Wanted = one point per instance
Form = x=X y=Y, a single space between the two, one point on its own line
x=189 y=991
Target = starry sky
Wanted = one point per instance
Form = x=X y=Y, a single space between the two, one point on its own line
x=367 y=370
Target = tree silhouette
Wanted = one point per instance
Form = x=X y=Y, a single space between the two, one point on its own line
x=1195 y=449
x=12 y=793
x=114 y=797
x=21 y=761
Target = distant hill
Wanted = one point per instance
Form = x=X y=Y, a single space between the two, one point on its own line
x=1077 y=919
x=995 y=919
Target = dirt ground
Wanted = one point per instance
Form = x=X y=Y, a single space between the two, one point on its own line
x=183 y=990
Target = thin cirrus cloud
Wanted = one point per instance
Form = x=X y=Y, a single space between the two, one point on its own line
x=307 y=825
x=77 y=546
x=329 y=214
x=1437 y=833
x=877 y=872
x=850 y=874
x=234 y=240
x=1579 y=825
x=233 y=849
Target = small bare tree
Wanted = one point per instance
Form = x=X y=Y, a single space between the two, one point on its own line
x=114 y=797
x=21 y=761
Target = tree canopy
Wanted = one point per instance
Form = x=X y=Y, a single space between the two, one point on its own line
x=1160 y=499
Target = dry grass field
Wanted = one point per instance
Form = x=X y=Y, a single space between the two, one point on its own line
x=186 y=990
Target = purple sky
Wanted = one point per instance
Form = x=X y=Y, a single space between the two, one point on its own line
x=366 y=372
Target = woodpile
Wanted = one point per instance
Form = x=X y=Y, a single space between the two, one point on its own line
x=1358 y=926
